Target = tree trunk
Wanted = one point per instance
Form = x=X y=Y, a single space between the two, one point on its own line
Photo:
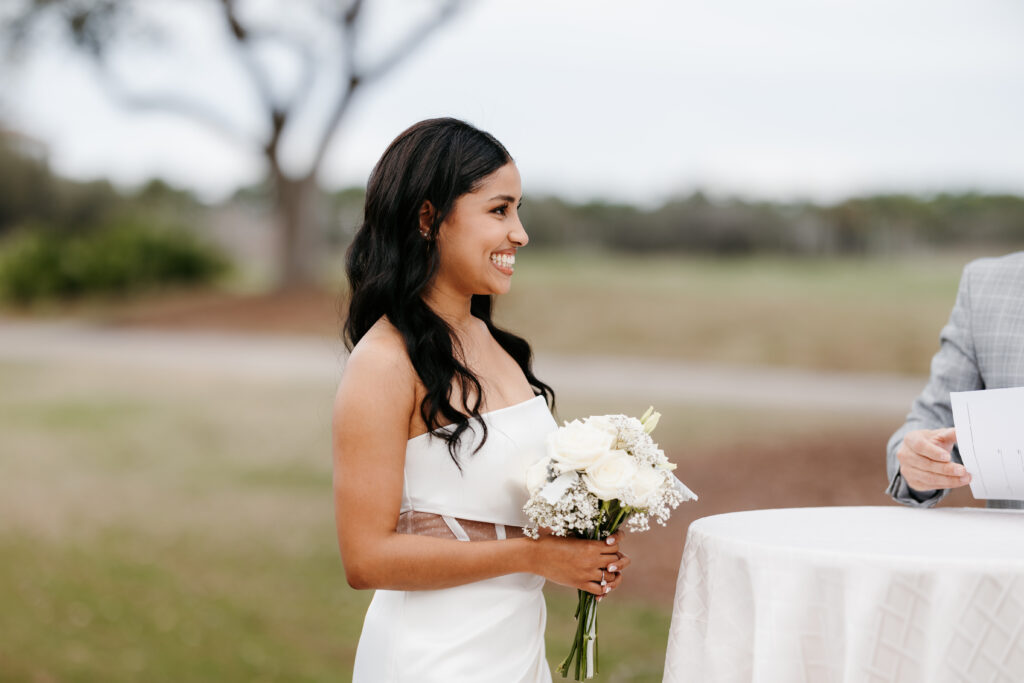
x=295 y=200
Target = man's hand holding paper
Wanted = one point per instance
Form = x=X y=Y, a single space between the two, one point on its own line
x=926 y=463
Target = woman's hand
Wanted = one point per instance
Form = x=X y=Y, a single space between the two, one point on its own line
x=592 y=566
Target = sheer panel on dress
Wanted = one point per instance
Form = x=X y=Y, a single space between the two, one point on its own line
x=440 y=526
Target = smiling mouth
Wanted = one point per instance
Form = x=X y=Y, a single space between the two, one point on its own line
x=505 y=262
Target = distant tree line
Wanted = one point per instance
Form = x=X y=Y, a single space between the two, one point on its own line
x=698 y=223
x=31 y=195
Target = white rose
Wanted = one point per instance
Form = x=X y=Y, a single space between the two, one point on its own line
x=537 y=475
x=646 y=482
x=604 y=423
x=611 y=475
x=576 y=445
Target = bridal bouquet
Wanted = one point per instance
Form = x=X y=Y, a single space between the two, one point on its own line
x=600 y=473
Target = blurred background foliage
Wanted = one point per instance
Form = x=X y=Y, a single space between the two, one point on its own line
x=63 y=239
x=116 y=259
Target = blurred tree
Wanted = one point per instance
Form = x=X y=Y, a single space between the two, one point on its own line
x=26 y=187
x=321 y=36
x=31 y=194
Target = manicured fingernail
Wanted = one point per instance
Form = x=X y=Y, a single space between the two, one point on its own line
x=599 y=598
x=604 y=582
x=607 y=589
x=610 y=540
x=613 y=568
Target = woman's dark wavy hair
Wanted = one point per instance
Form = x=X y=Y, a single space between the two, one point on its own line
x=390 y=266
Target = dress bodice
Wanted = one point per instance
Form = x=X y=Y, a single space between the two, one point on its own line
x=491 y=486
x=488 y=631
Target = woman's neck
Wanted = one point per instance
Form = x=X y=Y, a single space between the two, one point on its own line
x=452 y=307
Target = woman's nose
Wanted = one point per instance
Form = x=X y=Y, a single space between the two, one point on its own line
x=517 y=235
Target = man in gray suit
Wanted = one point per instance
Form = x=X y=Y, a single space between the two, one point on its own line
x=981 y=347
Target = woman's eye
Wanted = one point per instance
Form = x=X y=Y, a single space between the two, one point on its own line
x=501 y=210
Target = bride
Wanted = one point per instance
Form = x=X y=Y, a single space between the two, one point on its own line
x=436 y=419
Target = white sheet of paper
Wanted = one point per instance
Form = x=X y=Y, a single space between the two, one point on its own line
x=990 y=434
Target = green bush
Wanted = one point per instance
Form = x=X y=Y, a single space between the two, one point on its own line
x=122 y=258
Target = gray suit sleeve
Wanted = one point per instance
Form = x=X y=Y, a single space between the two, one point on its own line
x=954 y=368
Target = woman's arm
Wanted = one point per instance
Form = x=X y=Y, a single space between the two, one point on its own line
x=374 y=405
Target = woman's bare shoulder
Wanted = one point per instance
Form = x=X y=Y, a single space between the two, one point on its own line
x=379 y=364
x=382 y=344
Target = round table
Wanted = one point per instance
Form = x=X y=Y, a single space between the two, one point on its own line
x=872 y=594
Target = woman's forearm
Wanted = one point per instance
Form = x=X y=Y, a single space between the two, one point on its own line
x=411 y=562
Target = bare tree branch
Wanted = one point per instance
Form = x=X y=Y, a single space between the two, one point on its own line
x=259 y=78
x=412 y=41
x=352 y=13
x=356 y=78
x=305 y=54
x=171 y=103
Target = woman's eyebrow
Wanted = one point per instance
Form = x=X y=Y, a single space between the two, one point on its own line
x=502 y=197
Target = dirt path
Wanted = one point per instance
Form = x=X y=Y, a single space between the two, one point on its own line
x=321 y=358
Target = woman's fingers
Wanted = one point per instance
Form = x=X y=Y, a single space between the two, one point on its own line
x=613 y=575
x=620 y=563
x=588 y=565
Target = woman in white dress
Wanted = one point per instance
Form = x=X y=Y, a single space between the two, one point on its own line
x=436 y=419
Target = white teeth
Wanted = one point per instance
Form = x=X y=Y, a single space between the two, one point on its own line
x=504 y=260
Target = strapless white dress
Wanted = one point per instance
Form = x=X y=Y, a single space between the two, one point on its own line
x=488 y=631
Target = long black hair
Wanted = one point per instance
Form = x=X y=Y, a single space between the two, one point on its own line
x=390 y=266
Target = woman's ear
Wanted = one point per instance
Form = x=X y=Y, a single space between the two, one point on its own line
x=426 y=218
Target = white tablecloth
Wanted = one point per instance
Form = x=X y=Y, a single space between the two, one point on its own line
x=872 y=594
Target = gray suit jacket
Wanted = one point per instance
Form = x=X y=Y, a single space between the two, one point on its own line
x=981 y=347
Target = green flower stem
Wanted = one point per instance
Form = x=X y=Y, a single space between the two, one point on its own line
x=577 y=657
x=612 y=516
x=577 y=641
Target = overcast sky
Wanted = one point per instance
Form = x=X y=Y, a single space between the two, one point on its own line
x=633 y=100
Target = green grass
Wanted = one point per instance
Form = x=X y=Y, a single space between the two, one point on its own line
x=164 y=527
x=125 y=607
x=881 y=315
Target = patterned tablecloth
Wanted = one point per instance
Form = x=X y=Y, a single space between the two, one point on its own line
x=868 y=594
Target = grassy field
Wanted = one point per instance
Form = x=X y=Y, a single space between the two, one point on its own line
x=881 y=315
x=180 y=528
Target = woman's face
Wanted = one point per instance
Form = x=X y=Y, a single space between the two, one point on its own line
x=479 y=238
